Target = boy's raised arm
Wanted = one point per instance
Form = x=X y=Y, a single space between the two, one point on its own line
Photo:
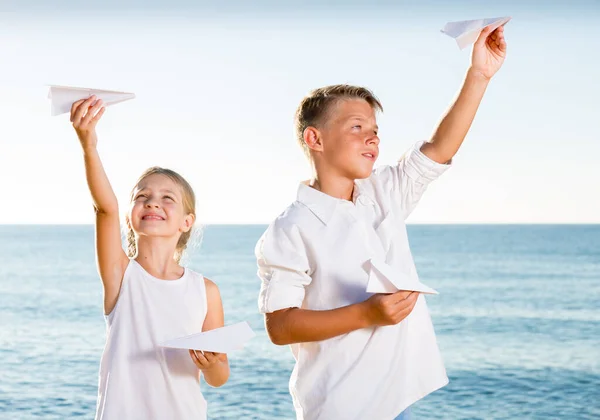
x=488 y=55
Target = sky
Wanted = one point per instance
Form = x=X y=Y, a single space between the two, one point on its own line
x=217 y=84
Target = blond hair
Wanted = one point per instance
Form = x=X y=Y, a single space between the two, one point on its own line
x=313 y=109
x=189 y=207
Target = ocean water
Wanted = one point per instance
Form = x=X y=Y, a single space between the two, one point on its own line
x=517 y=319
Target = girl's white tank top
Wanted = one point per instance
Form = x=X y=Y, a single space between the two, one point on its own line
x=138 y=378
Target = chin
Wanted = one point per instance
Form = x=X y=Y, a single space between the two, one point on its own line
x=150 y=230
x=362 y=173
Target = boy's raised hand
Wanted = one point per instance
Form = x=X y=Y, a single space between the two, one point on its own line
x=85 y=114
x=489 y=52
x=390 y=309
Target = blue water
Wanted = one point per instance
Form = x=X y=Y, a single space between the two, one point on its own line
x=517 y=319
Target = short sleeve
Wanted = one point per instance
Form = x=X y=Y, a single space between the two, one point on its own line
x=406 y=181
x=283 y=268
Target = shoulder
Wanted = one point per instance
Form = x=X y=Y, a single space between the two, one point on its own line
x=295 y=214
x=287 y=226
x=211 y=286
x=213 y=295
x=284 y=232
x=199 y=279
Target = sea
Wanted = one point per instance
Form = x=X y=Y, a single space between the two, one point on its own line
x=517 y=320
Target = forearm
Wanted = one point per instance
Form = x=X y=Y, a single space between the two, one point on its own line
x=103 y=196
x=217 y=375
x=297 y=325
x=453 y=128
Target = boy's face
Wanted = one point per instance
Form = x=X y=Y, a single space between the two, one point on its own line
x=349 y=141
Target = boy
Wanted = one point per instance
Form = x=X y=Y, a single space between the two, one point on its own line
x=359 y=355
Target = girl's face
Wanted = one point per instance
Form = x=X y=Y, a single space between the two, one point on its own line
x=157 y=208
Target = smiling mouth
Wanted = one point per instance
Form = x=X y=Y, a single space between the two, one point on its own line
x=152 y=217
x=369 y=156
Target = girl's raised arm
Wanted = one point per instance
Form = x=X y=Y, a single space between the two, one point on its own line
x=110 y=257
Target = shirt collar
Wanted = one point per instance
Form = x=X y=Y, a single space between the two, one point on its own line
x=322 y=205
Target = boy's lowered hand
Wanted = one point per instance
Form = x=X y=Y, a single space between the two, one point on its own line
x=390 y=309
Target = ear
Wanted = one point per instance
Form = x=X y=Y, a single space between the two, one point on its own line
x=312 y=138
x=188 y=222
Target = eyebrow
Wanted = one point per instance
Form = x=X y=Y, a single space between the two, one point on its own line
x=161 y=191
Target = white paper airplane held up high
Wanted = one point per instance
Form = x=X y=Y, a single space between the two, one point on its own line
x=466 y=32
x=62 y=97
x=220 y=340
x=385 y=279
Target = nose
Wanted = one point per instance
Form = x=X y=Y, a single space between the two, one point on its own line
x=373 y=140
x=151 y=203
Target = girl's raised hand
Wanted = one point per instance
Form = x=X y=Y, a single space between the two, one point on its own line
x=85 y=114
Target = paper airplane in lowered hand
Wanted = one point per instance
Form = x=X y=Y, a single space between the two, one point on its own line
x=63 y=97
x=385 y=279
x=219 y=340
x=466 y=32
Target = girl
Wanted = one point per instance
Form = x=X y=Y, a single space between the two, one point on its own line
x=148 y=297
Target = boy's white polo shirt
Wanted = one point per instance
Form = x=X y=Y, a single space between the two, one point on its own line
x=316 y=256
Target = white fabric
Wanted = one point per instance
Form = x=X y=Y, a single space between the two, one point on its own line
x=139 y=379
x=315 y=256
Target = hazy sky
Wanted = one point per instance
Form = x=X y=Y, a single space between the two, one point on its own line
x=217 y=87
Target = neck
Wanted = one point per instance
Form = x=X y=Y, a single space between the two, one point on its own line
x=155 y=254
x=331 y=183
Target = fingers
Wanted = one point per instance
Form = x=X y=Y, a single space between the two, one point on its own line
x=406 y=310
x=199 y=359
x=405 y=307
x=496 y=40
x=99 y=115
x=81 y=109
x=411 y=299
x=206 y=359
x=215 y=357
x=194 y=358
x=211 y=357
x=492 y=37
x=400 y=295
x=75 y=106
x=483 y=36
x=500 y=41
x=92 y=113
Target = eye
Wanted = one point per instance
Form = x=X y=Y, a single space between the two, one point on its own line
x=169 y=197
x=140 y=196
x=357 y=127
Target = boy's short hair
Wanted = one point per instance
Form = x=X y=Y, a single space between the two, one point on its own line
x=313 y=109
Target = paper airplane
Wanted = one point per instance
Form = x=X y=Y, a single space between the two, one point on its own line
x=466 y=32
x=385 y=279
x=62 y=97
x=219 y=340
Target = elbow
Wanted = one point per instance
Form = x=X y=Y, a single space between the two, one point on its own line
x=276 y=328
x=219 y=377
x=437 y=152
x=106 y=211
x=279 y=339
x=219 y=383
